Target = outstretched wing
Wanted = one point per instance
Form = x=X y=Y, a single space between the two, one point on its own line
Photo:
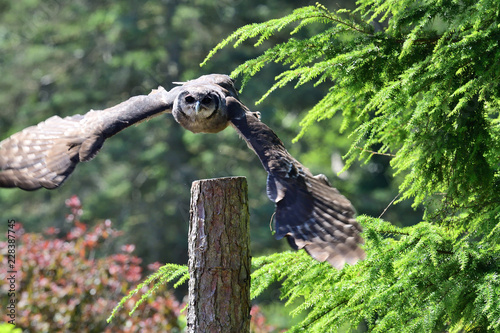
x=46 y=154
x=309 y=212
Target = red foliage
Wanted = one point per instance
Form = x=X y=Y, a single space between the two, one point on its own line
x=258 y=322
x=62 y=287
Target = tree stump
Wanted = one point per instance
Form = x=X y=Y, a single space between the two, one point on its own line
x=219 y=256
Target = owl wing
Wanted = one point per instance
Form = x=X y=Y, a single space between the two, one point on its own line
x=309 y=212
x=46 y=154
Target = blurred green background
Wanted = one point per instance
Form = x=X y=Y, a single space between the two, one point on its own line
x=63 y=58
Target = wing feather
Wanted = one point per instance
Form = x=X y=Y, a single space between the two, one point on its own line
x=309 y=212
x=46 y=154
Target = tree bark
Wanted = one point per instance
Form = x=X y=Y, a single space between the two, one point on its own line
x=219 y=256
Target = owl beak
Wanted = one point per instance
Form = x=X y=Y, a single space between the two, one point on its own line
x=197 y=106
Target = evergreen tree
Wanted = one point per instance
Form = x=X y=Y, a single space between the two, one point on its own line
x=417 y=81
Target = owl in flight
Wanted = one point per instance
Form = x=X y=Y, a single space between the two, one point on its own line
x=310 y=213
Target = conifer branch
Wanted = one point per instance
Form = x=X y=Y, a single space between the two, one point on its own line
x=375 y=152
x=389 y=205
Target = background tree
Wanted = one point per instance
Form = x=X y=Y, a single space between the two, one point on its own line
x=424 y=91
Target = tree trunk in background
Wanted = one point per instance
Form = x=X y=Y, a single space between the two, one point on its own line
x=219 y=256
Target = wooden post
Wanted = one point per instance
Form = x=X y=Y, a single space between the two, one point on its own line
x=219 y=256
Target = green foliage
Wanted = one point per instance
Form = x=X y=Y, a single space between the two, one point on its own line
x=417 y=82
x=415 y=279
x=9 y=328
x=162 y=276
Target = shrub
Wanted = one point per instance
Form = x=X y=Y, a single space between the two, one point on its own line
x=63 y=284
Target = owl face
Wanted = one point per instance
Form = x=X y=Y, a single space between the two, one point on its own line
x=201 y=109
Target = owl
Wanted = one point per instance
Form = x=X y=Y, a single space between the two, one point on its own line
x=310 y=213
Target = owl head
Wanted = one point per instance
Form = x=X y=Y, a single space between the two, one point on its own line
x=201 y=108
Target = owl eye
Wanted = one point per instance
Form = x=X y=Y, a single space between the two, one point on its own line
x=206 y=100
x=189 y=99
